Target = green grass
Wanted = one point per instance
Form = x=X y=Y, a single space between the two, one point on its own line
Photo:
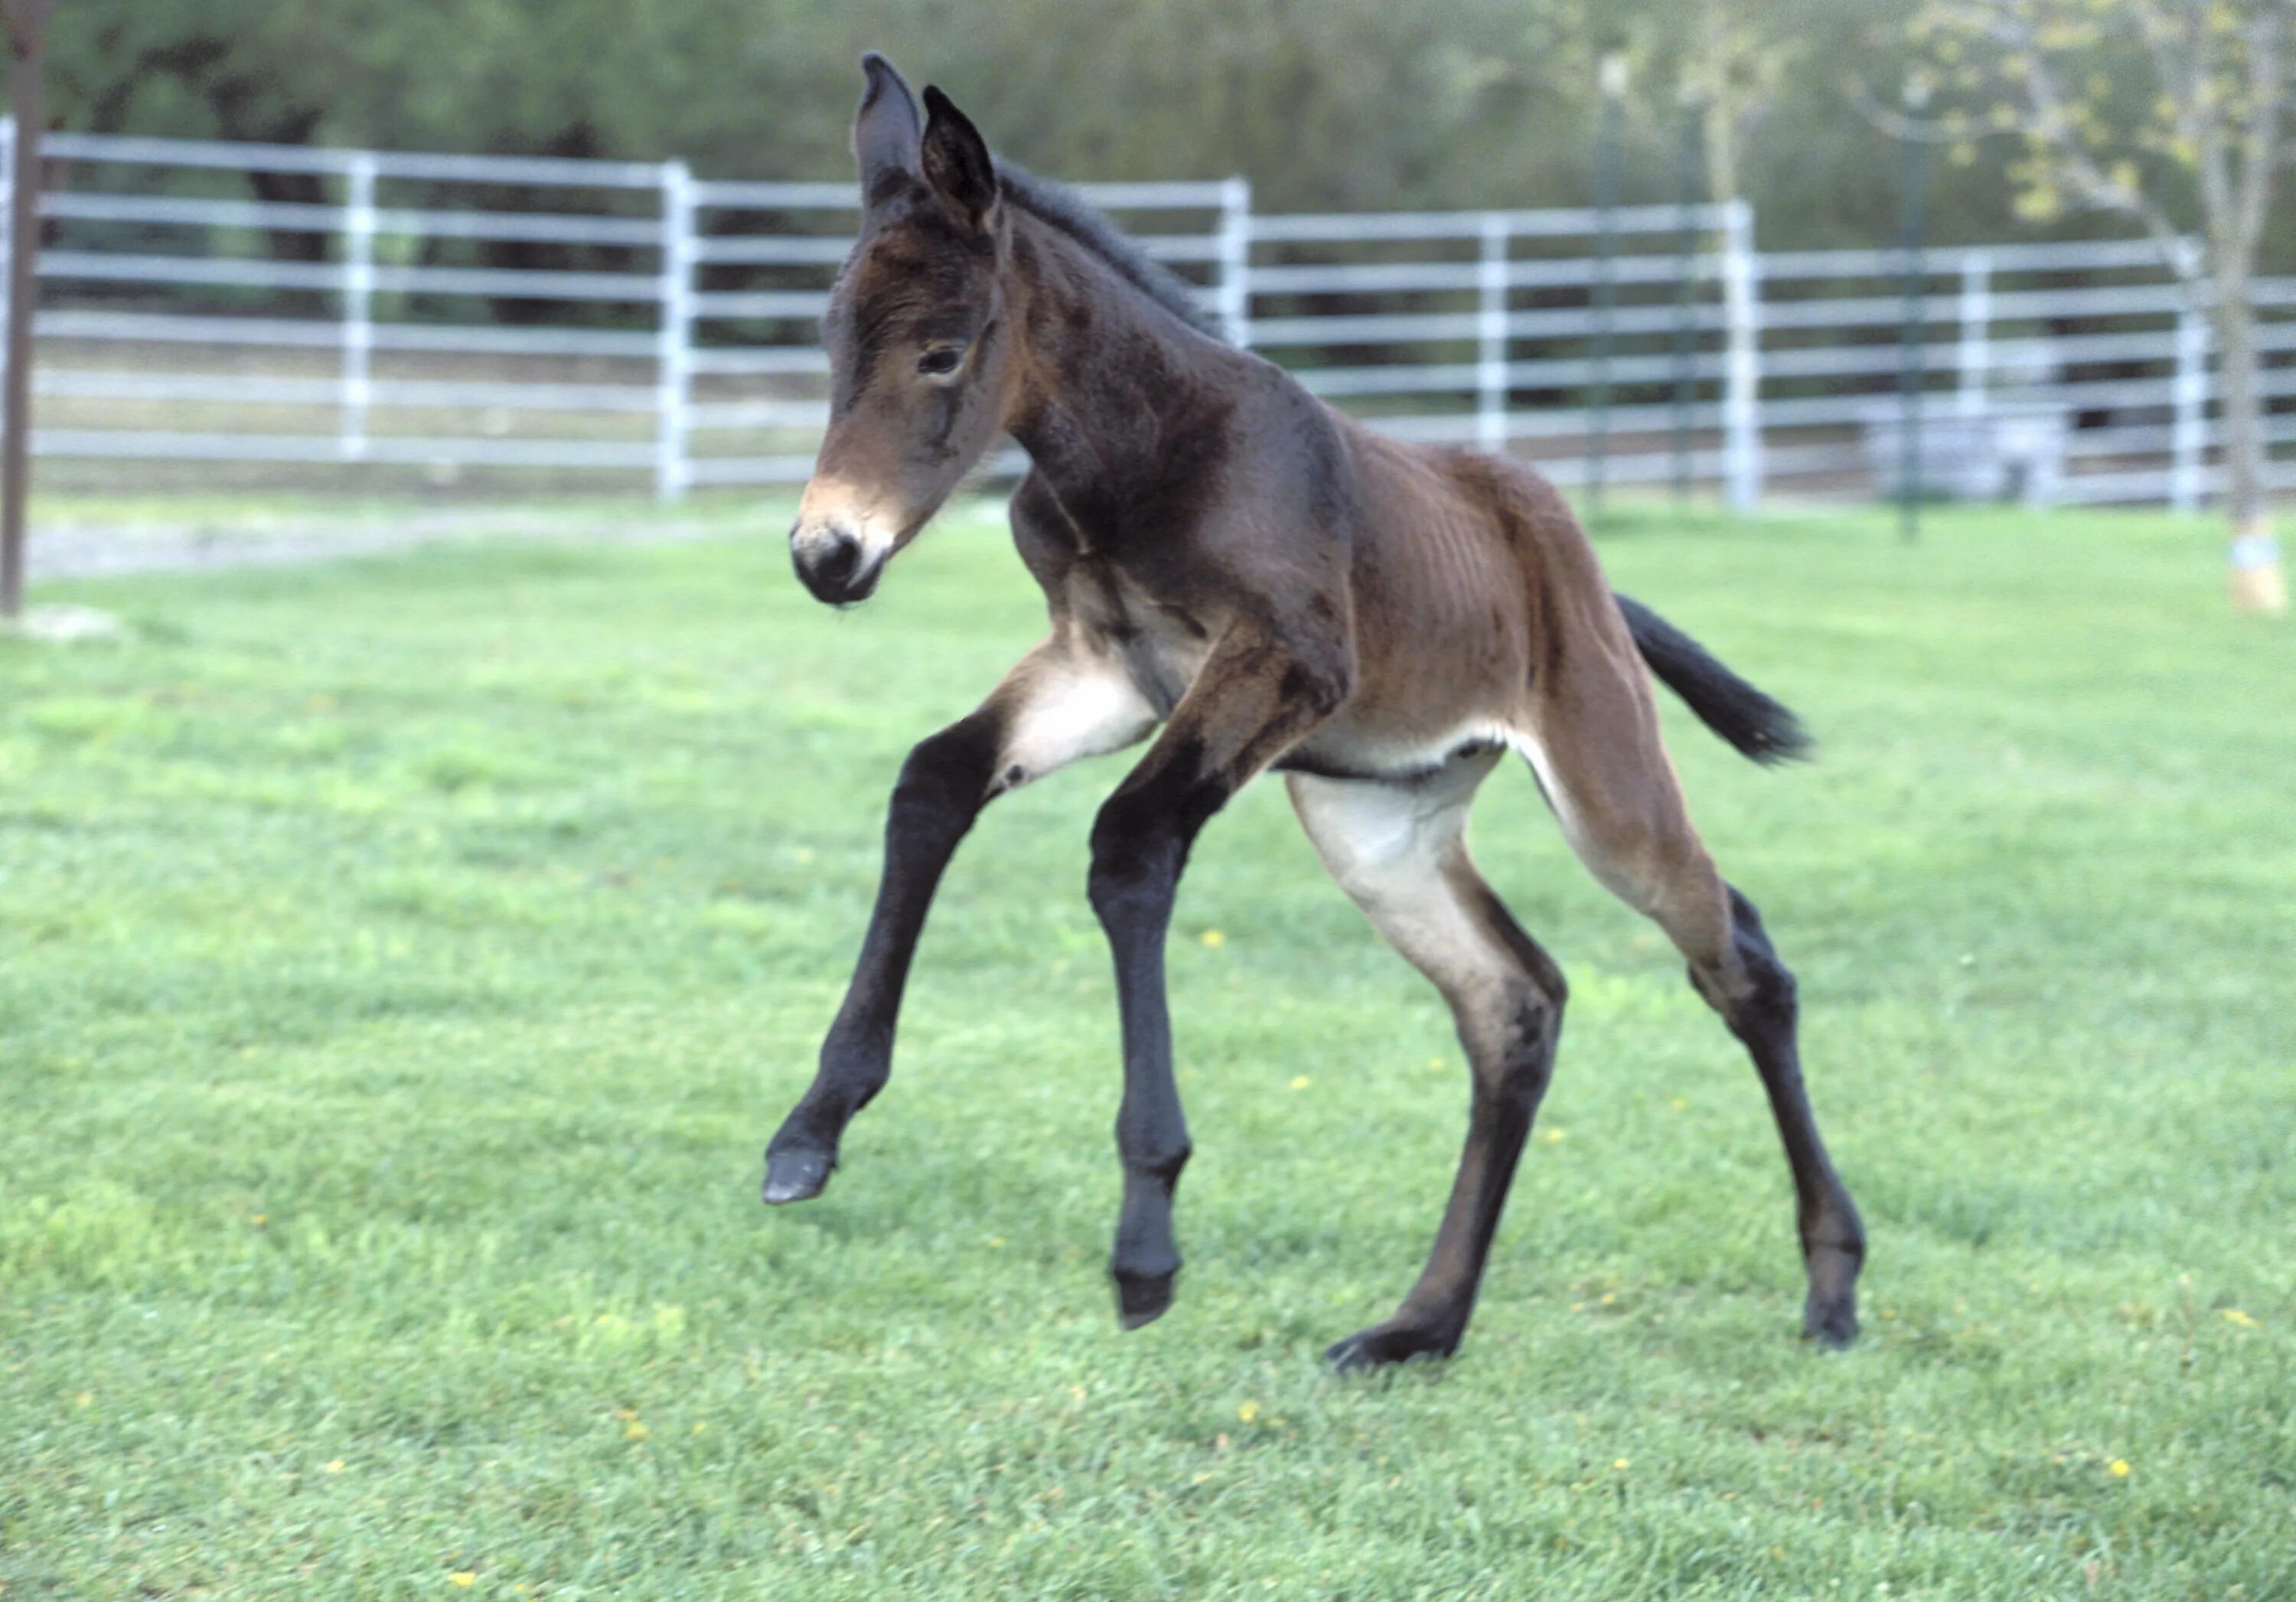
x=403 y=962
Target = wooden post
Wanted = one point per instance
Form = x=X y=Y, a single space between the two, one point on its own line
x=27 y=38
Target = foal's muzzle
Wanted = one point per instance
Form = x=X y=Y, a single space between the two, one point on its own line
x=834 y=565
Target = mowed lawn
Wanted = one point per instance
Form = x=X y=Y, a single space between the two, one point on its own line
x=403 y=963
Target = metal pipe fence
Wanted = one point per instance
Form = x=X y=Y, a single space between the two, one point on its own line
x=377 y=312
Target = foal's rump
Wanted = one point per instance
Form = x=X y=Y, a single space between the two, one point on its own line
x=1476 y=584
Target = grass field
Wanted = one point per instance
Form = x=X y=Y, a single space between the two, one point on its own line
x=403 y=962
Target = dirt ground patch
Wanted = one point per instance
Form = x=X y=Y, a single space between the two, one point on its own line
x=76 y=543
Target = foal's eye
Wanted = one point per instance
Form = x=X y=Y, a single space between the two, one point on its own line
x=940 y=361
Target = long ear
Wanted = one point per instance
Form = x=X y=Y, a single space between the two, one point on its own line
x=885 y=126
x=956 y=159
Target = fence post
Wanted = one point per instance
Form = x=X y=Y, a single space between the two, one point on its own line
x=1685 y=299
x=1741 y=381
x=1976 y=331
x=1613 y=78
x=1491 y=331
x=28 y=47
x=7 y=231
x=675 y=346
x=358 y=304
x=1235 y=260
x=1913 y=330
x=2187 y=451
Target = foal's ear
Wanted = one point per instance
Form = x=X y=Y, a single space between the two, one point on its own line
x=885 y=126
x=956 y=159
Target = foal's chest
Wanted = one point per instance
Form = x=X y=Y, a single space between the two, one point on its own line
x=1161 y=642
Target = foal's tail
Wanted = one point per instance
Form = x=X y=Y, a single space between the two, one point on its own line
x=1756 y=725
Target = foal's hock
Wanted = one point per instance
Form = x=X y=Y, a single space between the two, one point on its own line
x=1241 y=572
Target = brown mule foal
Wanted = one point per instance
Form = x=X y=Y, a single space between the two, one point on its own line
x=1233 y=567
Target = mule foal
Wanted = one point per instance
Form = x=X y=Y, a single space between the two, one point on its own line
x=1223 y=554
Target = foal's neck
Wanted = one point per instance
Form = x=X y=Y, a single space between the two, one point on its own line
x=1123 y=408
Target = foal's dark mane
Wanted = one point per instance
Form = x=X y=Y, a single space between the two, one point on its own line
x=1065 y=209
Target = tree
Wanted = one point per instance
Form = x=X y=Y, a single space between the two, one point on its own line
x=1728 y=68
x=2160 y=110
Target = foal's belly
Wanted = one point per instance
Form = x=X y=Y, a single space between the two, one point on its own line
x=1347 y=749
x=1377 y=735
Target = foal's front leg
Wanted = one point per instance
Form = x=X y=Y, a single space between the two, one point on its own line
x=1062 y=701
x=1253 y=697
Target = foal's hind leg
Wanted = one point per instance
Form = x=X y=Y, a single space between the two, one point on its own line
x=1754 y=992
x=1621 y=809
x=1398 y=850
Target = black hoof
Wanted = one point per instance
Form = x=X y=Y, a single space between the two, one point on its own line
x=1385 y=1344
x=796 y=1175
x=1142 y=1298
x=1832 y=1326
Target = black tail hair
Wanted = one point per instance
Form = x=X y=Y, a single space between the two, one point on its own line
x=1756 y=725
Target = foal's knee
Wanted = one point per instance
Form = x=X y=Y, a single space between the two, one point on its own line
x=1515 y=1063
x=944 y=782
x=1749 y=983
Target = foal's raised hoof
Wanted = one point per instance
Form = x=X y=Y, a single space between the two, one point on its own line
x=1142 y=1298
x=796 y=1175
x=1385 y=1344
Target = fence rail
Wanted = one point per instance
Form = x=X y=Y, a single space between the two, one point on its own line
x=442 y=312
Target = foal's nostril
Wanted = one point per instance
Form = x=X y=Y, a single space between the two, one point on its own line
x=836 y=560
x=828 y=563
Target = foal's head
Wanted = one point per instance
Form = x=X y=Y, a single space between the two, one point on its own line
x=917 y=335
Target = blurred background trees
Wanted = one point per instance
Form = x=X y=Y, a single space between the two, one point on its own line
x=2168 y=114
x=1323 y=103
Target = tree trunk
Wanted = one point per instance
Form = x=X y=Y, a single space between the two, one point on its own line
x=2257 y=583
x=27 y=29
x=1721 y=138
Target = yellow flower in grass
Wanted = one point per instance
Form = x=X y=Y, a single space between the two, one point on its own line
x=2117 y=1468
x=462 y=1577
x=2233 y=1314
x=1249 y=1411
x=1214 y=939
x=1300 y=1081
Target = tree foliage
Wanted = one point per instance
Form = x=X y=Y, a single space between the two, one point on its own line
x=2168 y=113
x=1322 y=102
